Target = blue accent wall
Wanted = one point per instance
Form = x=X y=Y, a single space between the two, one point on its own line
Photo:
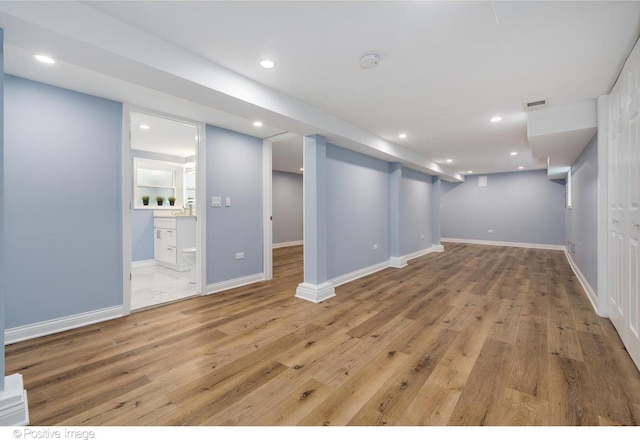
x=287 y=201
x=63 y=239
x=582 y=218
x=520 y=207
x=357 y=191
x=416 y=219
x=233 y=169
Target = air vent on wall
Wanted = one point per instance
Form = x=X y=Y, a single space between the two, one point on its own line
x=535 y=105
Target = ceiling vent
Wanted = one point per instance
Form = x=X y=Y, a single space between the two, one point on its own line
x=535 y=105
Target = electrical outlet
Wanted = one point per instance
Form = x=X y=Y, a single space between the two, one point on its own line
x=375 y=246
x=239 y=255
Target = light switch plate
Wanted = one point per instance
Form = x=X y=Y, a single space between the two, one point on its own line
x=227 y=201
x=216 y=202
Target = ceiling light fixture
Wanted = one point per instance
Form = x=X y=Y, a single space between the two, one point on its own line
x=469 y=172
x=257 y=124
x=267 y=64
x=44 y=59
x=496 y=119
x=449 y=160
x=521 y=168
x=514 y=153
x=402 y=135
x=301 y=169
x=144 y=126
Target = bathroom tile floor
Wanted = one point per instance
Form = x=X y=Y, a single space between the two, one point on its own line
x=155 y=285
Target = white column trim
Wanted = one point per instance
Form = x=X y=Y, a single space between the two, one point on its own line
x=14 y=407
x=316 y=293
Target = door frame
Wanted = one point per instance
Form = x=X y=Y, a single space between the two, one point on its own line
x=127 y=199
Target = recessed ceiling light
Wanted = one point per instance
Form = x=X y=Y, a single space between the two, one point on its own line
x=496 y=119
x=514 y=153
x=449 y=160
x=144 y=126
x=44 y=59
x=469 y=172
x=521 y=168
x=257 y=124
x=267 y=64
x=402 y=135
x=301 y=169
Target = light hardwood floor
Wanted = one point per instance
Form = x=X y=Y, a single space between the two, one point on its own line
x=476 y=335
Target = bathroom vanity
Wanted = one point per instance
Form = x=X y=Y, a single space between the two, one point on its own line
x=171 y=235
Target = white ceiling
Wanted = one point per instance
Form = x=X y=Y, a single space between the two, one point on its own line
x=445 y=68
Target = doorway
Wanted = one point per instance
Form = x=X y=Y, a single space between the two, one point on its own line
x=287 y=197
x=162 y=185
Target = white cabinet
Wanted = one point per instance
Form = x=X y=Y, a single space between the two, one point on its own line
x=171 y=235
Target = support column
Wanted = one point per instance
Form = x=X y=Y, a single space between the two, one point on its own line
x=396 y=259
x=13 y=397
x=315 y=288
x=435 y=213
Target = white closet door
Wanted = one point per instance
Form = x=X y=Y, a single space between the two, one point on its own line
x=624 y=210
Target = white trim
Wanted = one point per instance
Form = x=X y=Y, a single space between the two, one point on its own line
x=287 y=244
x=232 y=284
x=267 y=208
x=14 y=408
x=31 y=331
x=397 y=262
x=553 y=247
x=346 y=278
x=127 y=208
x=316 y=293
x=201 y=209
x=420 y=253
x=593 y=298
x=603 y=222
x=143 y=263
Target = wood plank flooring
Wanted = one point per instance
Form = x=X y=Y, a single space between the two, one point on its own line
x=476 y=335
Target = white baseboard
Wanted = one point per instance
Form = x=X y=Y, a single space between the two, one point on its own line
x=14 y=408
x=591 y=294
x=31 y=331
x=232 y=284
x=316 y=293
x=287 y=244
x=553 y=247
x=346 y=278
x=397 y=262
x=142 y=263
x=420 y=253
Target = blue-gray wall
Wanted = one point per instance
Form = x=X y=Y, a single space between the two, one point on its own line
x=2 y=255
x=357 y=194
x=520 y=207
x=63 y=239
x=287 y=204
x=416 y=219
x=234 y=169
x=582 y=225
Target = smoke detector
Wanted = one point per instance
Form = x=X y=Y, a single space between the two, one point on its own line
x=369 y=61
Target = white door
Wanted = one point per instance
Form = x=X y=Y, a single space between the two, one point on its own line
x=624 y=210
